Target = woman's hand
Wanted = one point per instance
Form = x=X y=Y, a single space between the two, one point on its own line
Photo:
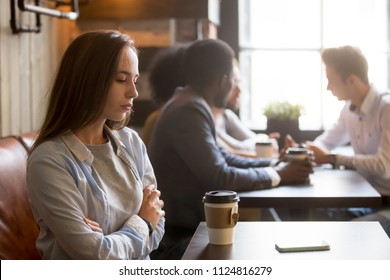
x=93 y=225
x=151 y=208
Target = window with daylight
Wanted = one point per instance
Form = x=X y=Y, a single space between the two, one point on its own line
x=280 y=46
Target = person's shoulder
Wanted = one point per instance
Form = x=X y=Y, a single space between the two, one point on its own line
x=50 y=148
x=127 y=133
x=382 y=99
x=385 y=97
x=129 y=138
x=185 y=104
x=385 y=106
x=379 y=94
x=230 y=114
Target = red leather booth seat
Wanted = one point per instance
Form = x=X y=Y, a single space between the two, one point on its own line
x=18 y=230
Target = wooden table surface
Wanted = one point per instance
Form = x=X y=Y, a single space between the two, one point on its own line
x=328 y=188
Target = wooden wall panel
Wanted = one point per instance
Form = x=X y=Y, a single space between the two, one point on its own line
x=148 y=33
x=27 y=64
x=28 y=61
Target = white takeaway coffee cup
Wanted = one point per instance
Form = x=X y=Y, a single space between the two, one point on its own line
x=221 y=212
x=264 y=149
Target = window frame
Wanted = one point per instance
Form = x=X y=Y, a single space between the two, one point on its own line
x=230 y=16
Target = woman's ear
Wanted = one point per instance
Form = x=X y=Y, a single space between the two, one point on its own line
x=225 y=83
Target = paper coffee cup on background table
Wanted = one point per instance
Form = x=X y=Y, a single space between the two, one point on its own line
x=264 y=149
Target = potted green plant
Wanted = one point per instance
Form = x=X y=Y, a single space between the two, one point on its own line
x=283 y=117
x=283 y=110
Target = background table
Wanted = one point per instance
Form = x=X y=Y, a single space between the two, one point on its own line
x=256 y=240
x=328 y=188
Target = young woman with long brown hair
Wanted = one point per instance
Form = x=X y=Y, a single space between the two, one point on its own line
x=91 y=185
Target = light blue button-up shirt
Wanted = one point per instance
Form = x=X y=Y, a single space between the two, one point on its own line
x=63 y=191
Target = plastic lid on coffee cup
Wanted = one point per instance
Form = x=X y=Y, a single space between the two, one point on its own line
x=297 y=151
x=264 y=143
x=221 y=196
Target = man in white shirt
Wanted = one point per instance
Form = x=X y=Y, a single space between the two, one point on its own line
x=364 y=122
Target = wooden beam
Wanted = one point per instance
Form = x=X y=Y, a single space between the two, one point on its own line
x=148 y=9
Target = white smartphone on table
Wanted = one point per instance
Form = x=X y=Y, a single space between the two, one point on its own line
x=302 y=246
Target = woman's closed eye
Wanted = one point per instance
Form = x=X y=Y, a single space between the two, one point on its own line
x=122 y=79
